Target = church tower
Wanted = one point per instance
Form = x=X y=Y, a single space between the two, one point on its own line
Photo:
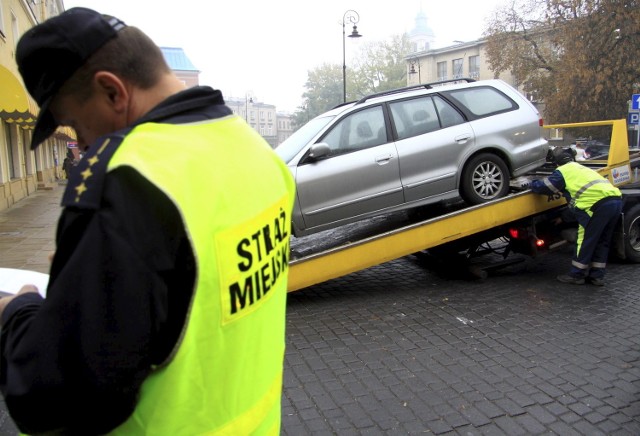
x=421 y=37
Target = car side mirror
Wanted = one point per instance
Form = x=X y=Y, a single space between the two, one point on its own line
x=319 y=150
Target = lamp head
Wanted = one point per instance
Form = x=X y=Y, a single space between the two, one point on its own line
x=354 y=32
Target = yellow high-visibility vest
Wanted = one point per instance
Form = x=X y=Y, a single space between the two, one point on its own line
x=235 y=196
x=586 y=186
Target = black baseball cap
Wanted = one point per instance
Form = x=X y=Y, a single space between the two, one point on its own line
x=51 y=52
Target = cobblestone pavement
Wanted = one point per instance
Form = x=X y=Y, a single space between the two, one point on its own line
x=396 y=349
x=402 y=349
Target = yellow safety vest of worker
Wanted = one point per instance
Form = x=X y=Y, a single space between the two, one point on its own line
x=225 y=375
x=586 y=186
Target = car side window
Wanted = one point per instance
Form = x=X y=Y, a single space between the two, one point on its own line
x=448 y=115
x=357 y=131
x=483 y=101
x=414 y=117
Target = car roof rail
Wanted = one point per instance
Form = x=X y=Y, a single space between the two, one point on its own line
x=342 y=104
x=413 y=88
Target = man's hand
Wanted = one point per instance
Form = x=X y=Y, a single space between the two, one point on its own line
x=6 y=300
x=521 y=183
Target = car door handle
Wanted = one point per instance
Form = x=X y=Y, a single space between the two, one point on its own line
x=381 y=160
x=462 y=139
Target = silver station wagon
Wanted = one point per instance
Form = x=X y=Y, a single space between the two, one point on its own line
x=410 y=147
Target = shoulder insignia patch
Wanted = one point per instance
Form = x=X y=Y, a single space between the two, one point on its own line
x=85 y=184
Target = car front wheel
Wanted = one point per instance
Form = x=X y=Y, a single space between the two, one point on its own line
x=484 y=178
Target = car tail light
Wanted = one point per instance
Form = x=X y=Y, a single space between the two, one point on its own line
x=540 y=122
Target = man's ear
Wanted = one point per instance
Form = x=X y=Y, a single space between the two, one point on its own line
x=113 y=89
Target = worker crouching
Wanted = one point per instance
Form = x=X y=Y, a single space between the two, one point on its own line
x=596 y=205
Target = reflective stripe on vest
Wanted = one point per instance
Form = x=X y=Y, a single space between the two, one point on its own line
x=225 y=375
x=585 y=185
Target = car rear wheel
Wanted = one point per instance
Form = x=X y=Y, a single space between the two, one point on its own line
x=484 y=178
x=632 y=234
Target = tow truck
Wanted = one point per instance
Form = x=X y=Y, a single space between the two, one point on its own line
x=522 y=219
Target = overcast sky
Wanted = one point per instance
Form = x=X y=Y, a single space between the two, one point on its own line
x=265 y=48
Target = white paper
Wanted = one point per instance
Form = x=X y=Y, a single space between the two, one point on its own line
x=11 y=280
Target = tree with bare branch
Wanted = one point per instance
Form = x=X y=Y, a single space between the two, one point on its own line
x=581 y=58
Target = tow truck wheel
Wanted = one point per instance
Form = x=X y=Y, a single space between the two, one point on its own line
x=632 y=234
x=484 y=178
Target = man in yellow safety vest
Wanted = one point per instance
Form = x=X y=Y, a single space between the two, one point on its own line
x=596 y=204
x=165 y=309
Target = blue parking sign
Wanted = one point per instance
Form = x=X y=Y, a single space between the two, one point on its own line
x=635 y=102
x=634 y=118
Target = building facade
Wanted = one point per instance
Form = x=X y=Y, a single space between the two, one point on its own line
x=285 y=126
x=428 y=64
x=462 y=60
x=22 y=171
x=260 y=116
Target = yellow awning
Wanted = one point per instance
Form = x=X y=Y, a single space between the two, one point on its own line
x=16 y=106
x=66 y=133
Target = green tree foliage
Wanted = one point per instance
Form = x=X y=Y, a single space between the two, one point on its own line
x=579 y=57
x=379 y=66
x=323 y=91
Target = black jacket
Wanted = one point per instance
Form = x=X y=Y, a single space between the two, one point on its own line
x=120 y=285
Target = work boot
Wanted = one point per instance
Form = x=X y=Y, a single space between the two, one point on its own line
x=568 y=278
x=595 y=281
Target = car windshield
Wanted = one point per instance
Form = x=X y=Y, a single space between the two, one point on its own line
x=294 y=143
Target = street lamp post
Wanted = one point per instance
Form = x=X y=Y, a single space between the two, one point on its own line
x=412 y=70
x=247 y=100
x=353 y=18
